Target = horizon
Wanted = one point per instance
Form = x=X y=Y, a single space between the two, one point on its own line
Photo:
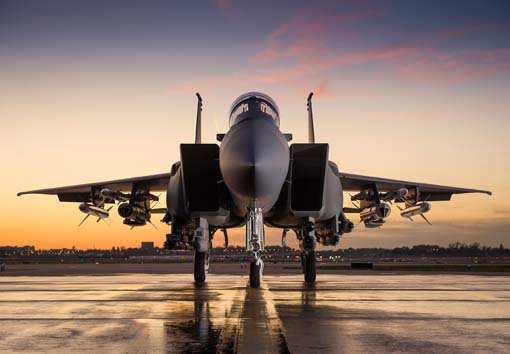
x=100 y=91
x=480 y=246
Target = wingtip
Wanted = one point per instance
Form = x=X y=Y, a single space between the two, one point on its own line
x=488 y=192
x=19 y=194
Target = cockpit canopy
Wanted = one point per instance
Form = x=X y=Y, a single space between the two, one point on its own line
x=254 y=104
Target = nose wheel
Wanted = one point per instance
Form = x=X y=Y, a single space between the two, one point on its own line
x=256 y=269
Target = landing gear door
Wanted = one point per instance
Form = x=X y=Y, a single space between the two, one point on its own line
x=308 y=171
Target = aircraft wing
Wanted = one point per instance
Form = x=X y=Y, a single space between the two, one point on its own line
x=85 y=192
x=429 y=192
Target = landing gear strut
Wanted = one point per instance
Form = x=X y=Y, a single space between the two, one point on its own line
x=255 y=244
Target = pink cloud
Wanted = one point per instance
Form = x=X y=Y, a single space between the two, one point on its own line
x=298 y=54
x=322 y=90
x=432 y=66
x=263 y=77
x=306 y=42
x=428 y=66
x=303 y=36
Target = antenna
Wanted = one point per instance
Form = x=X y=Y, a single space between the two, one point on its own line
x=198 y=130
x=311 y=132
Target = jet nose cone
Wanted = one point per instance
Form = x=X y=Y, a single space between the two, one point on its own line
x=254 y=160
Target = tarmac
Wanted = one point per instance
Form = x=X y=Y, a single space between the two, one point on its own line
x=341 y=313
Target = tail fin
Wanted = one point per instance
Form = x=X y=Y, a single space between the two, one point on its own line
x=198 y=130
x=311 y=132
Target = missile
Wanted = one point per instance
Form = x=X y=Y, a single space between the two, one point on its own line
x=394 y=195
x=93 y=210
x=115 y=195
x=142 y=194
x=417 y=209
x=366 y=194
x=379 y=211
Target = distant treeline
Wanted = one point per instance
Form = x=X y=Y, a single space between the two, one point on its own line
x=456 y=249
x=453 y=250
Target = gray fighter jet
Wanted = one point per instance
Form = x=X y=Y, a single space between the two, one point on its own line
x=254 y=179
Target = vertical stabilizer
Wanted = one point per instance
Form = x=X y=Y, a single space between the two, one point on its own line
x=198 y=130
x=311 y=132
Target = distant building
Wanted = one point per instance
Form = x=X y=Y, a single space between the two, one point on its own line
x=147 y=246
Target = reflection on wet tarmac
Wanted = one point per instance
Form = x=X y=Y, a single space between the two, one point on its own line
x=196 y=335
x=207 y=329
x=339 y=314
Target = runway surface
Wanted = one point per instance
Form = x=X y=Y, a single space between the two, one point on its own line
x=340 y=314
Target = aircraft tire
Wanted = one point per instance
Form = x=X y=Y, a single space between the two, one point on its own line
x=255 y=274
x=199 y=266
x=310 y=270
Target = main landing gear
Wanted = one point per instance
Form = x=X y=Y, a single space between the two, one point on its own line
x=201 y=245
x=200 y=266
x=309 y=266
x=255 y=244
x=307 y=245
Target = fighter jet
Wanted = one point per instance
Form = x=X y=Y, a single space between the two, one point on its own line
x=254 y=179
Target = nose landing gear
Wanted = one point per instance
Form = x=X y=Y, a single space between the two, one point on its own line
x=255 y=244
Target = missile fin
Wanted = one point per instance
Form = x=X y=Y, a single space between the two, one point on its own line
x=85 y=218
x=150 y=222
x=425 y=218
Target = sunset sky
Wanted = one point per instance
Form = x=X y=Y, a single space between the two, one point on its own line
x=98 y=90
